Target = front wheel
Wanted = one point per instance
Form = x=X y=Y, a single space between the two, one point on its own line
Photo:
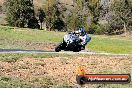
x=58 y=48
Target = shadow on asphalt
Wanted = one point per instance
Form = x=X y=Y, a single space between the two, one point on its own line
x=21 y=50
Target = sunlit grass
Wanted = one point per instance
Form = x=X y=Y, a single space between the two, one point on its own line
x=99 y=43
x=111 y=44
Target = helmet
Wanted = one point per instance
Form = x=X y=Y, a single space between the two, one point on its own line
x=81 y=31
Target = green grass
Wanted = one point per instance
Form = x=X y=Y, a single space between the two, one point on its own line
x=30 y=34
x=111 y=44
x=114 y=86
x=99 y=43
x=13 y=57
x=44 y=82
x=36 y=82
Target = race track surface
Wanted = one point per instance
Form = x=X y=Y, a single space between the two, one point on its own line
x=62 y=52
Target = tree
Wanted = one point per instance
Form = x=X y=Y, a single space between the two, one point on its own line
x=94 y=10
x=77 y=16
x=104 y=8
x=42 y=16
x=58 y=24
x=12 y=11
x=20 y=12
x=123 y=12
x=54 y=15
x=49 y=11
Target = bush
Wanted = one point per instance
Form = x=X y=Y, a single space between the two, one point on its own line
x=96 y=29
x=99 y=30
x=33 y=23
x=58 y=24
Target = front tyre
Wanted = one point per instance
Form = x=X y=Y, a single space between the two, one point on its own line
x=58 y=48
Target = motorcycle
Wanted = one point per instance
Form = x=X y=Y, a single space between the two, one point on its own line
x=71 y=42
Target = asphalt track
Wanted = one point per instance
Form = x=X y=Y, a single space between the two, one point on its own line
x=53 y=52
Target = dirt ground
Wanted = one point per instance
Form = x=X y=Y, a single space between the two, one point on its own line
x=64 y=68
x=34 y=45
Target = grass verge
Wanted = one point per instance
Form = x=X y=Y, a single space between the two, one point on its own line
x=111 y=44
x=35 y=82
x=18 y=38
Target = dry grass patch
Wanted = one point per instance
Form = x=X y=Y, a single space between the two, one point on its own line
x=63 y=69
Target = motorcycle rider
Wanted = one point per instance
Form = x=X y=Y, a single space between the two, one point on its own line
x=74 y=41
x=83 y=36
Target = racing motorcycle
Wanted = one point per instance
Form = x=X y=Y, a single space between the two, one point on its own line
x=71 y=42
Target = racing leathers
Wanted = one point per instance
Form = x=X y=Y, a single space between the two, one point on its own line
x=85 y=38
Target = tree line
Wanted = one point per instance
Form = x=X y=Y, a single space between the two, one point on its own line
x=97 y=16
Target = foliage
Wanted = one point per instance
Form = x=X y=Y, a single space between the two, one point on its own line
x=21 y=13
x=11 y=13
x=96 y=29
x=74 y=21
x=33 y=23
x=49 y=11
x=58 y=24
x=93 y=6
x=54 y=15
x=65 y=17
x=122 y=13
x=41 y=15
x=78 y=16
